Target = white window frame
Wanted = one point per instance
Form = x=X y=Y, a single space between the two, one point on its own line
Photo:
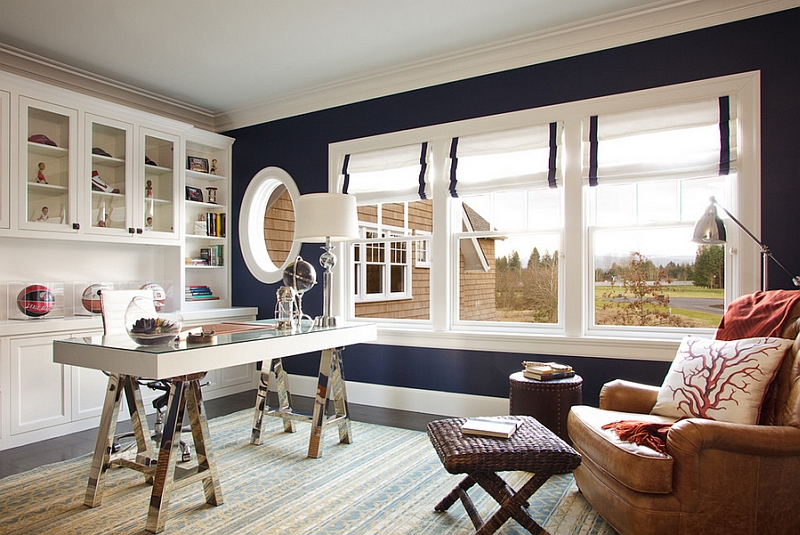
x=385 y=240
x=574 y=337
x=422 y=255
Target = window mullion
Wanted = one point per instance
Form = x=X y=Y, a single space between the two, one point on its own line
x=441 y=253
x=573 y=294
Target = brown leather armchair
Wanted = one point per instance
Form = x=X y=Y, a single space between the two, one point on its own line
x=716 y=478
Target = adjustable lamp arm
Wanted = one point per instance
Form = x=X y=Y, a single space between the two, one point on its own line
x=765 y=251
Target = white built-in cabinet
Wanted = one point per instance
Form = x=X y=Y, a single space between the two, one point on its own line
x=93 y=191
x=46 y=399
x=206 y=222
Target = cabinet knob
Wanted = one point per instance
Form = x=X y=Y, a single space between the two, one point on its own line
x=131 y=230
x=76 y=226
x=139 y=231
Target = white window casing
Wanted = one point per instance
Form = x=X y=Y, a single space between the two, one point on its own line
x=573 y=335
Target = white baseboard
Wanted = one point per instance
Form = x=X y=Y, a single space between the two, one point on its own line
x=410 y=399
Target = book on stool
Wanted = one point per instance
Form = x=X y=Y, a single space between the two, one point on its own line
x=489 y=427
x=546 y=371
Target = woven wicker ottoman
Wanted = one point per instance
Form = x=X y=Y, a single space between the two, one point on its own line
x=532 y=448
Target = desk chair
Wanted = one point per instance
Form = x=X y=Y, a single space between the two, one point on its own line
x=113 y=304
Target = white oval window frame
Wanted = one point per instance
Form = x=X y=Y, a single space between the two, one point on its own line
x=251 y=223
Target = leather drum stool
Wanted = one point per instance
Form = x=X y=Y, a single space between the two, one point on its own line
x=547 y=401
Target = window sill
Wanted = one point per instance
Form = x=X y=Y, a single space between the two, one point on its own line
x=618 y=347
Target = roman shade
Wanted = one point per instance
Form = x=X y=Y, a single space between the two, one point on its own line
x=387 y=175
x=525 y=158
x=692 y=139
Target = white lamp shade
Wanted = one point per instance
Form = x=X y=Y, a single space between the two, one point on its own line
x=321 y=216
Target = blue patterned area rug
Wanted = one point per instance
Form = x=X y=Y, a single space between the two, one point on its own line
x=386 y=482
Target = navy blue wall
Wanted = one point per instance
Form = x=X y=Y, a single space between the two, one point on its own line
x=300 y=146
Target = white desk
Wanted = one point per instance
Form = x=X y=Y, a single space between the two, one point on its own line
x=185 y=365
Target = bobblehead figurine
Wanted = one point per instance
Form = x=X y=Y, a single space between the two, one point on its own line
x=40 y=174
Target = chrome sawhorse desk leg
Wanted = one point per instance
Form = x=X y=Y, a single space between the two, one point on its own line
x=162 y=472
x=103 y=455
x=329 y=381
x=184 y=396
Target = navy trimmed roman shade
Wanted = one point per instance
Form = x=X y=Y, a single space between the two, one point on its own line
x=692 y=139
x=524 y=158
x=387 y=175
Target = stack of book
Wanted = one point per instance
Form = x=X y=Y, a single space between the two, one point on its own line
x=199 y=293
x=546 y=371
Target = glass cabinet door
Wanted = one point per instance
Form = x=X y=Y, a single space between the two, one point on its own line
x=156 y=206
x=108 y=175
x=47 y=167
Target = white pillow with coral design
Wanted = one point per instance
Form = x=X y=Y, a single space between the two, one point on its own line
x=720 y=380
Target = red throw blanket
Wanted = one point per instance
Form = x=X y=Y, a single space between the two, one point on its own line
x=758 y=314
x=650 y=434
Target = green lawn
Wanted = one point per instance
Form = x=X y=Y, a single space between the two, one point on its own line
x=694 y=318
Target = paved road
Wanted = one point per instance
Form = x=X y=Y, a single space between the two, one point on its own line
x=699 y=304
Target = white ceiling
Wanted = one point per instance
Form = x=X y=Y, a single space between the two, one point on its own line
x=223 y=55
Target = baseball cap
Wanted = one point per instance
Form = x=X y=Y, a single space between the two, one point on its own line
x=42 y=139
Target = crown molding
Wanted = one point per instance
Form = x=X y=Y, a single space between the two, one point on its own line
x=589 y=36
x=657 y=19
x=32 y=66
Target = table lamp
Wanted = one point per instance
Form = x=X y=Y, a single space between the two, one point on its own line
x=710 y=229
x=326 y=218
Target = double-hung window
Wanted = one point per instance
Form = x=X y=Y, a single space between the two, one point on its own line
x=549 y=229
x=393 y=209
x=504 y=185
x=650 y=173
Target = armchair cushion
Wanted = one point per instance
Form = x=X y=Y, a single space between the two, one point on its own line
x=720 y=380
x=636 y=467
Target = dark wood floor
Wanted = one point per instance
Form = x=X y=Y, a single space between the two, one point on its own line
x=23 y=458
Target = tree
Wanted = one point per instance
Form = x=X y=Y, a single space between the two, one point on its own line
x=540 y=284
x=644 y=300
x=709 y=267
x=501 y=263
x=534 y=259
x=514 y=261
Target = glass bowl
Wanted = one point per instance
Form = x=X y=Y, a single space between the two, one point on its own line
x=147 y=327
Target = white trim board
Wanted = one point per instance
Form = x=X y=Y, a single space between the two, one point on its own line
x=410 y=399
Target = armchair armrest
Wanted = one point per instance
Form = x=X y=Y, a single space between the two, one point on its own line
x=627 y=396
x=689 y=437
x=711 y=458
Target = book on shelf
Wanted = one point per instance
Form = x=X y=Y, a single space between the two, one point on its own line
x=546 y=371
x=199 y=293
x=489 y=427
x=212 y=255
x=215 y=224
